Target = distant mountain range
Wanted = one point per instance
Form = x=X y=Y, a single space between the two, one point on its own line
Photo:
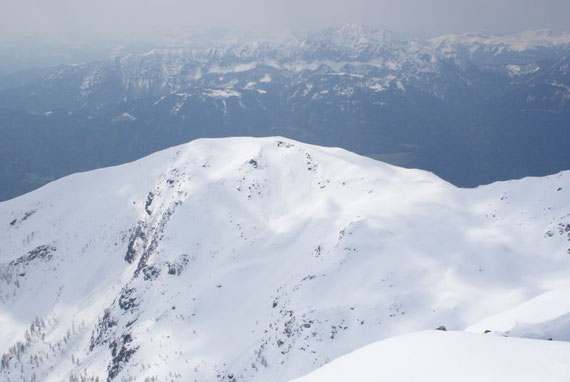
x=242 y=259
x=471 y=108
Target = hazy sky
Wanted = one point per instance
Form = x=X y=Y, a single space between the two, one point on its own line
x=118 y=19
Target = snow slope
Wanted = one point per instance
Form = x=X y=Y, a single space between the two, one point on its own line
x=452 y=356
x=544 y=317
x=260 y=259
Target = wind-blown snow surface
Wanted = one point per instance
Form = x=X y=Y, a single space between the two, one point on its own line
x=544 y=317
x=450 y=357
x=260 y=259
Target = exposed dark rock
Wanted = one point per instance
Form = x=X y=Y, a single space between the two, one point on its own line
x=43 y=252
x=122 y=353
x=137 y=235
x=101 y=333
x=175 y=269
x=126 y=301
x=148 y=203
x=151 y=273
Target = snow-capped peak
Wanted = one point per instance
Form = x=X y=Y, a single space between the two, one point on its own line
x=260 y=259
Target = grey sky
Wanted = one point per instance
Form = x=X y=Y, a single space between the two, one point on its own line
x=86 y=20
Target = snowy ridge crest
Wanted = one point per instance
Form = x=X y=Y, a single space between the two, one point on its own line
x=261 y=259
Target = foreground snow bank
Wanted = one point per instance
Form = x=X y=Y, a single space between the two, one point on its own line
x=450 y=356
x=546 y=316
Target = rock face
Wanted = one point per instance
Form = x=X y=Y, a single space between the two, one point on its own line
x=259 y=259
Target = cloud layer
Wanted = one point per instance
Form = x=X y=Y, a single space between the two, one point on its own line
x=118 y=19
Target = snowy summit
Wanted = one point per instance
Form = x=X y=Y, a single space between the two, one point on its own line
x=243 y=259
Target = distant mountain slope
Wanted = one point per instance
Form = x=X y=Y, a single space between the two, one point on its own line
x=517 y=48
x=260 y=259
x=472 y=109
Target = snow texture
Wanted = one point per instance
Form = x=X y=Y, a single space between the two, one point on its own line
x=263 y=259
x=450 y=357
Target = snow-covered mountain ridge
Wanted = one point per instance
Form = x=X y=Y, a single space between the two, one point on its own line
x=519 y=42
x=261 y=259
x=418 y=104
x=366 y=56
